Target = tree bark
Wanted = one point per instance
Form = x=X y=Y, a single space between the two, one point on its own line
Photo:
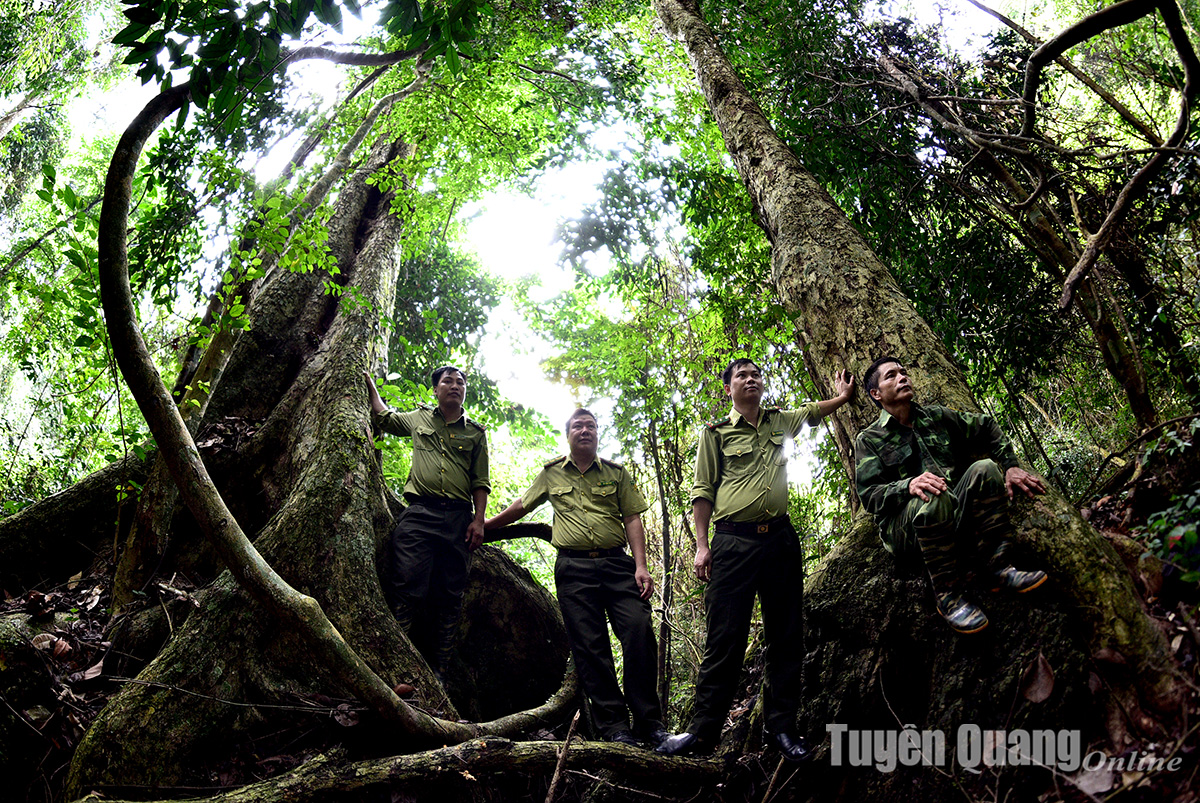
x=851 y=311
x=491 y=764
x=301 y=610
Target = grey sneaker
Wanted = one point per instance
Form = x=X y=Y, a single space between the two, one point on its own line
x=962 y=616
x=1019 y=581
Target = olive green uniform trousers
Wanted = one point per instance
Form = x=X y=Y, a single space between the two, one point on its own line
x=746 y=563
x=589 y=590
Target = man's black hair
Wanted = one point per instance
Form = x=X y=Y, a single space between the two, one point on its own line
x=579 y=413
x=437 y=373
x=727 y=374
x=872 y=372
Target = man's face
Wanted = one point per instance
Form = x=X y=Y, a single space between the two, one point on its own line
x=451 y=387
x=745 y=385
x=581 y=435
x=892 y=385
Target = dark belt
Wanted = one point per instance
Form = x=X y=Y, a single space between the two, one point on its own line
x=441 y=503
x=611 y=552
x=753 y=527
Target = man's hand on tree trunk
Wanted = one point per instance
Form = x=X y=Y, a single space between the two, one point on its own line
x=1019 y=478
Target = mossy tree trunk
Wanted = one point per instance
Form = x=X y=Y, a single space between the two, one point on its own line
x=287 y=439
x=849 y=310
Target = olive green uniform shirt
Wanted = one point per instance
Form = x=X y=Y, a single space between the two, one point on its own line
x=742 y=470
x=589 y=508
x=449 y=460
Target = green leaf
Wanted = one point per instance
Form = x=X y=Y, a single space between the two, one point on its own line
x=452 y=61
x=200 y=86
x=329 y=14
x=144 y=15
x=131 y=33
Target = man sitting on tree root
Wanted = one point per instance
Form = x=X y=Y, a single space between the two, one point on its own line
x=917 y=472
x=446 y=492
x=597 y=510
x=741 y=486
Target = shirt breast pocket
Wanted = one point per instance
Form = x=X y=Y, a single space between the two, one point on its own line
x=896 y=455
x=425 y=439
x=562 y=497
x=605 y=495
x=779 y=457
x=737 y=455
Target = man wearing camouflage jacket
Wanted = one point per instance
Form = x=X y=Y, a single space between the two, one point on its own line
x=917 y=473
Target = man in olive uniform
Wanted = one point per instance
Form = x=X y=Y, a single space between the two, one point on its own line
x=907 y=464
x=597 y=511
x=741 y=487
x=446 y=492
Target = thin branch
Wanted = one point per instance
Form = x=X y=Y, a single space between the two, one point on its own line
x=16 y=260
x=1107 y=18
x=1137 y=184
x=1114 y=455
x=1120 y=108
x=562 y=758
x=353 y=59
x=977 y=101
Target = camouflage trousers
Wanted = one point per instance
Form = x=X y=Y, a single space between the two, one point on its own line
x=956 y=531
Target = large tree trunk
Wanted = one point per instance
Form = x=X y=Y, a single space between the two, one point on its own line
x=287 y=439
x=851 y=311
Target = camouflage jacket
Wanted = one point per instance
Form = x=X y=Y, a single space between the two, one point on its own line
x=943 y=441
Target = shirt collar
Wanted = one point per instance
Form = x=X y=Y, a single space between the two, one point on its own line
x=736 y=418
x=461 y=422
x=570 y=461
x=886 y=418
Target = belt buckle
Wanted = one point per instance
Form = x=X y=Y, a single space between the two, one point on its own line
x=762 y=528
x=594 y=554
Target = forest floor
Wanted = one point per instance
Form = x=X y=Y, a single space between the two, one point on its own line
x=81 y=668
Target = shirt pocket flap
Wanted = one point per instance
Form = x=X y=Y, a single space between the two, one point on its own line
x=895 y=455
x=777 y=439
x=736 y=449
x=424 y=437
x=604 y=490
x=560 y=490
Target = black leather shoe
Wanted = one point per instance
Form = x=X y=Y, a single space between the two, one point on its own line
x=681 y=744
x=791 y=748
x=655 y=738
x=622 y=737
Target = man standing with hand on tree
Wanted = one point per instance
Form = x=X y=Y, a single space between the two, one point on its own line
x=741 y=488
x=917 y=471
x=446 y=492
x=597 y=510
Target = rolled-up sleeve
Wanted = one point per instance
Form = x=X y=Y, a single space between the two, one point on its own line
x=537 y=493
x=708 y=467
x=479 y=466
x=396 y=423
x=794 y=420
x=629 y=498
